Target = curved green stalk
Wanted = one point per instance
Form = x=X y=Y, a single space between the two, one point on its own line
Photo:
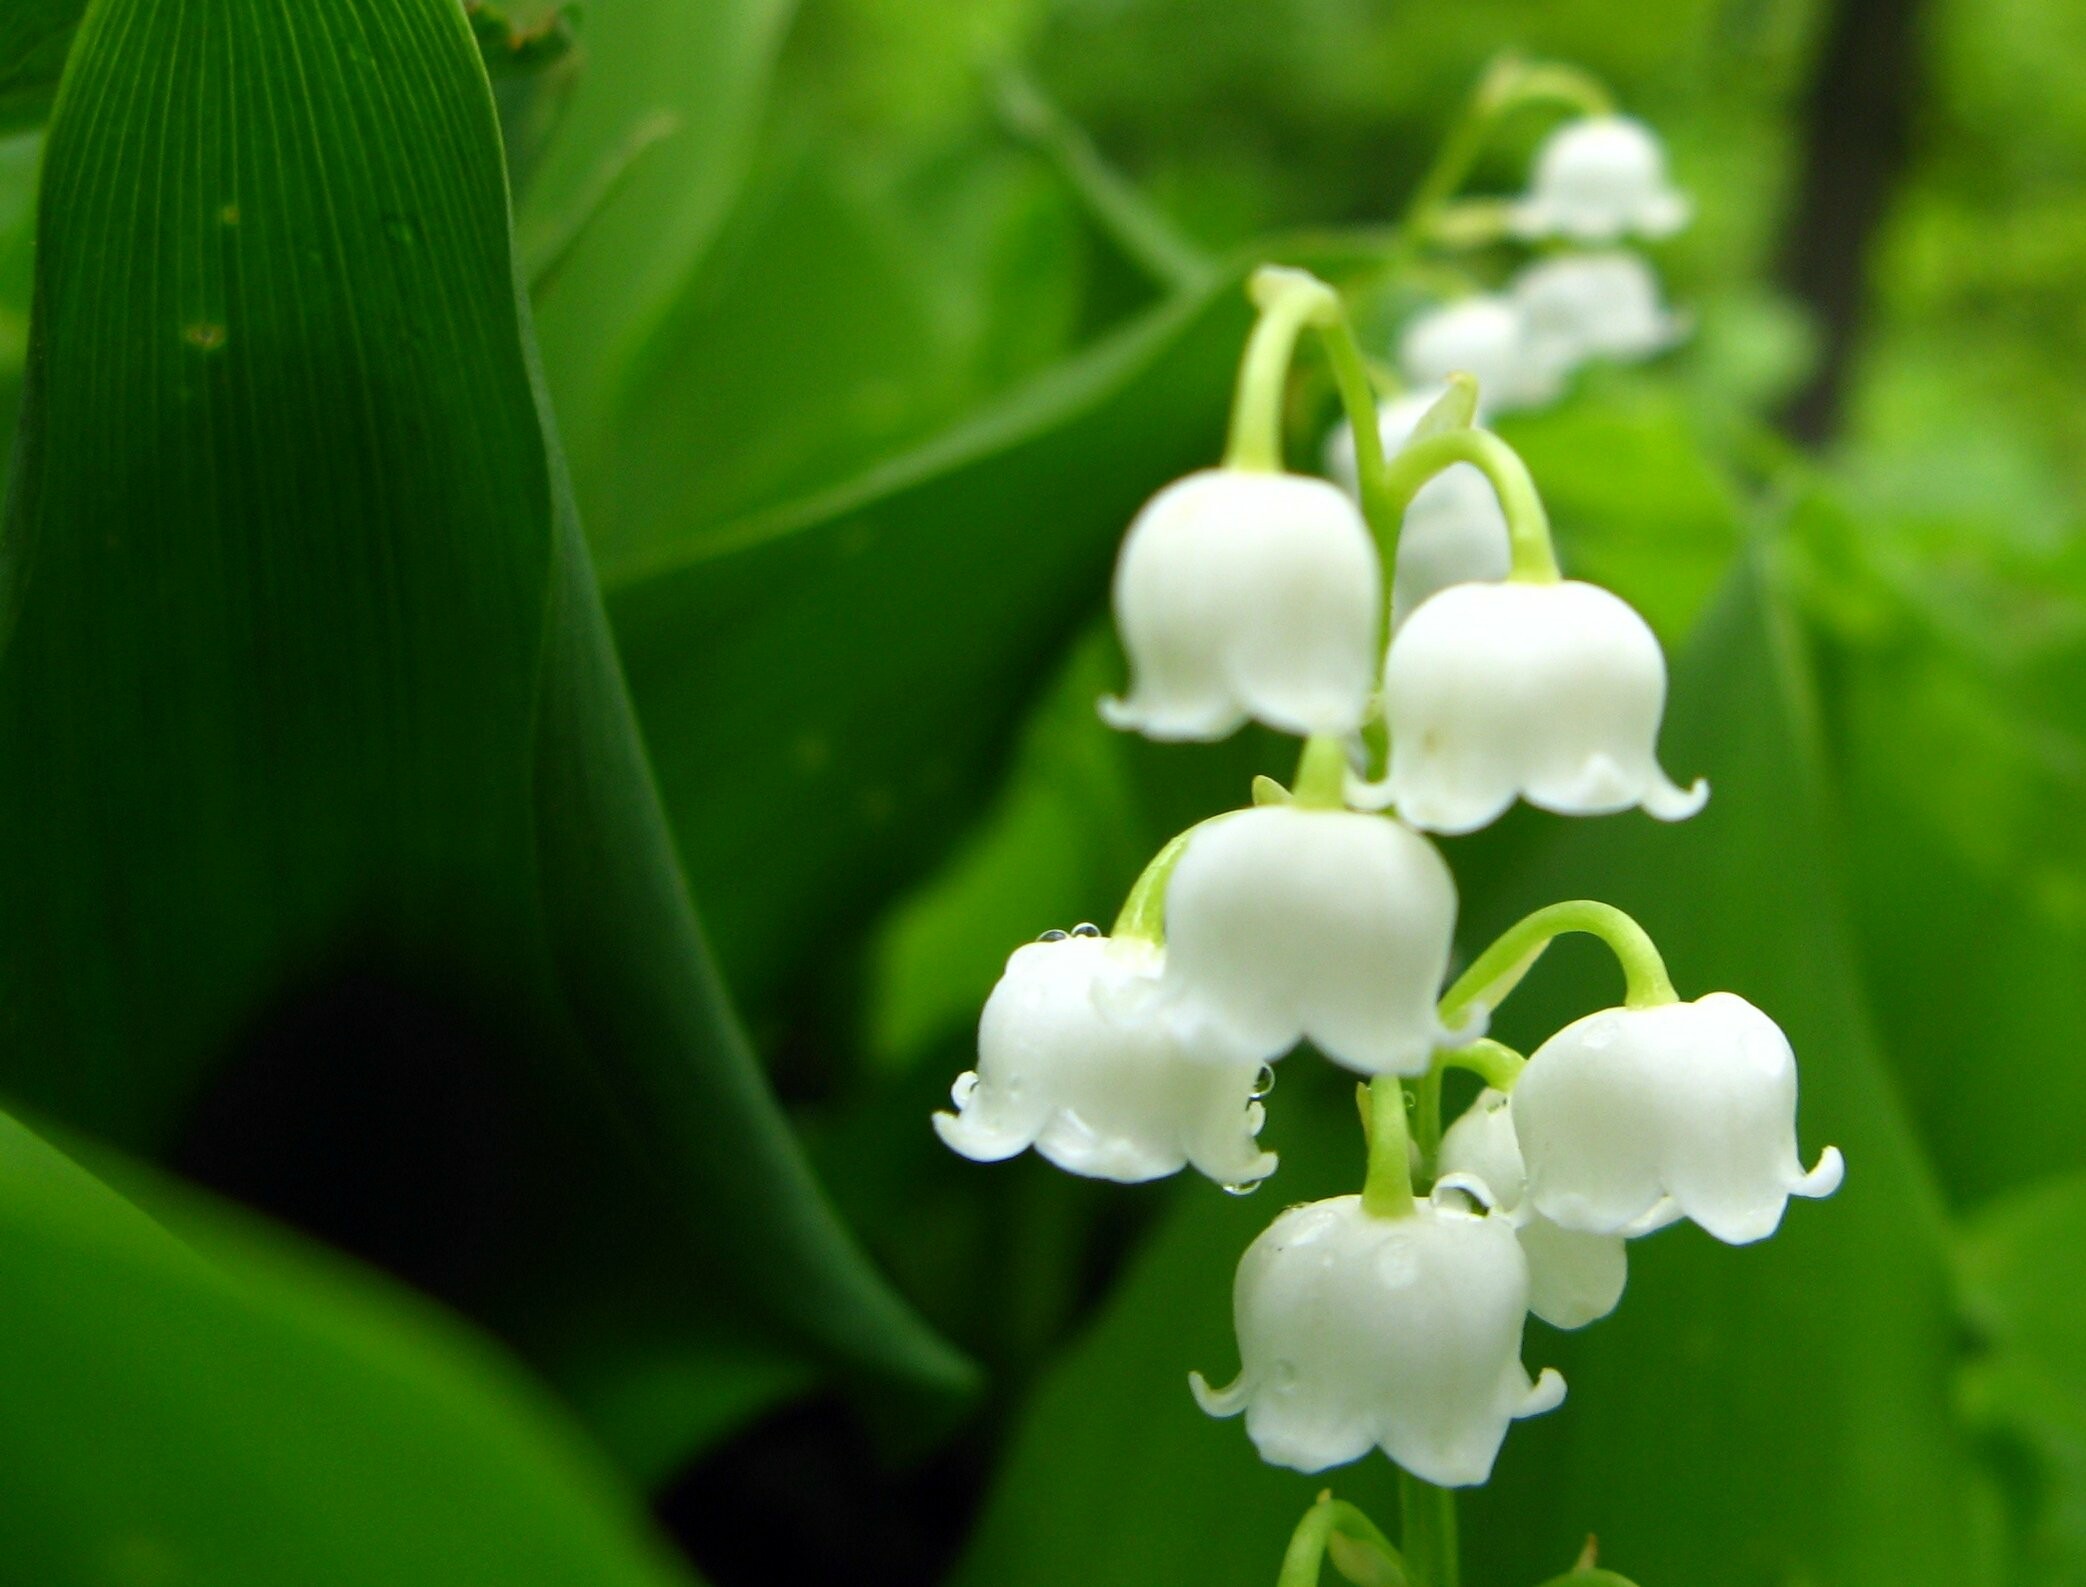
x=1497 y=970
x=1288 y=301
x=1528 y=524
x=1495 y=1063
x=1327 y=1524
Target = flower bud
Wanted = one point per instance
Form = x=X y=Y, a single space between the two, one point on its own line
x=1633 y=1116
x=1482 y=336
x=1578 y=307
x=1454 y=530
x=1068 y=1064
x=1397 y=1333
x=1246 y=595
x=1573 y=1277
x=1285 y=923
x=1600 y=178
x=1552 y=692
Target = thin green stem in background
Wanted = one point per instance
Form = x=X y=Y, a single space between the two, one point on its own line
x=1497 y=970
x=1428 y=1532
x=1288 y=301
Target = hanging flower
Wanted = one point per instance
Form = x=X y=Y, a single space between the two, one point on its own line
x=1574 y=1278
x=1066 y=1064
x=1402 y=1334
x=1485 y=337
x=1578 y=307
x=1246 y=595
x=1286 y=922
x=1600 y=178
x=1552 y=692
x=1633 y=1116
x=1454 y=530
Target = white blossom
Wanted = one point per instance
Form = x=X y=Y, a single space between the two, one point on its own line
x=1068 y=1064
x=1632 y=1116
x=1285 y=923
x=1549 y=692
x=1396 y=1333
x=1246 y=595
x=1573 y=1277
x=1579 y=307
x=1483 y=336
x=1454 y=530
x=1599 y=178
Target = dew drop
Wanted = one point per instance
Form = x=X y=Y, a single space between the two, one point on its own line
x=1054 y=935
x=1086 y=928
x=1263 y=1083
x=1244 y=1187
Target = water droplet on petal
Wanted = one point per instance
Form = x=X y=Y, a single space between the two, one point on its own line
x=1054 y=935
x=1086 y=928
x=1244 y=1187
x=1263 y=1083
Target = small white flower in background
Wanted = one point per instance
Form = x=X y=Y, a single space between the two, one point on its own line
x=1287 y=923
x=1633 y=1116
x=1549 y=692
x=1246 y=595
x=1579 y=307
x=1358 y=1332
x=1598 y=179
x=1454 y=531
x=1485 y=337
x=1066 y=1065
x=1573 y=1277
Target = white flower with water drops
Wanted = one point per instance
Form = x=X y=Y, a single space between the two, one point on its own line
x=1243 y=594
x=1068 y=1063
x=1549 y=692
x=1398 y=1333
x=1483 y=336
x=1597 y=179
x=1633 y=1116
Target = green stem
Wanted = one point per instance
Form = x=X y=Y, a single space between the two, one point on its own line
x=1387 y=1188
x=1321 y=779
x=1358 y=399
x=1497 y=970
x=1428 y=1532
x=1288 y=301
x=1143 y=915
x=1305 y=1556
x=1507 y=85
x=1426 y=1120
x=1528 y=525
x=1495 y=1063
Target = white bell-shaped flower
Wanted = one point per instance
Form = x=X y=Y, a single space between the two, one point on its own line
x=1246 y=595
x=1632 y=1116
x=1599 y=178
x=1359 y=1332
x=1573 y=1277
x=1455 y=531
x=1068 y=1064
x=1552 y=692
x=1579 y=307
x=1287 y=922
x=1483 y=336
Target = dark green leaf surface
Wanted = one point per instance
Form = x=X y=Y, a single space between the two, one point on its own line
x=304 y=669
x=34 y=36
x=223 y=1408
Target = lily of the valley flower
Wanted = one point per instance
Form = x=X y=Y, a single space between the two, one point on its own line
x=1485 y=337
x=1286 y=922
x=1242 y=594
x=1068 y=1064
x=1600 y=178
x=1549 y=692
x=1633 y=1116
x=1358 y=1332
x=1573 y=1277
x=1578 y=307
x=1454 y=532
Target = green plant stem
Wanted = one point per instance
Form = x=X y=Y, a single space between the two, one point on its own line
x=1358 y=399
x=1288 y=301
x=1387 y=1188
x=1495 y=1063
x=1321 y=777
x=1428 y=1532
x=1507 y=85
x=1305 y=1556
x=1143 y=915
x=1496 y=971
x=1426 y=1119
x=1528 y=524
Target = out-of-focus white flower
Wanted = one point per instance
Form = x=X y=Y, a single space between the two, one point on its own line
x=1485 y=337
x=1358 y=1332
x=1578 y=307
x=1246 y=595
x=1600 y=178
x=1454 y=530
x=1632 y=1116
x=1287 y=922
x=1573 y=1277
x=1552 y=692
x=1068 y=1065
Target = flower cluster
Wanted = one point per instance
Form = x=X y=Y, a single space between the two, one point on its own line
x=1325 y=914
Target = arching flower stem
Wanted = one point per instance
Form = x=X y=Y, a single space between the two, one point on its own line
x=1495 y=1063
x=1288 y=301
x=1497 y=970
x=1143 y=915
x=1387 y=1187
x=1507 y=85
x=1335 y=1525
x=1528 y=524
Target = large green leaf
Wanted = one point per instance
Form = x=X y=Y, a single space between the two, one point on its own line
x=34 y=36
x=1779 y=1413
x=305 y=671
x=225 y=1408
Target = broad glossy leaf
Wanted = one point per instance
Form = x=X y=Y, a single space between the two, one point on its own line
x=226 y=1408
x=305 y=673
